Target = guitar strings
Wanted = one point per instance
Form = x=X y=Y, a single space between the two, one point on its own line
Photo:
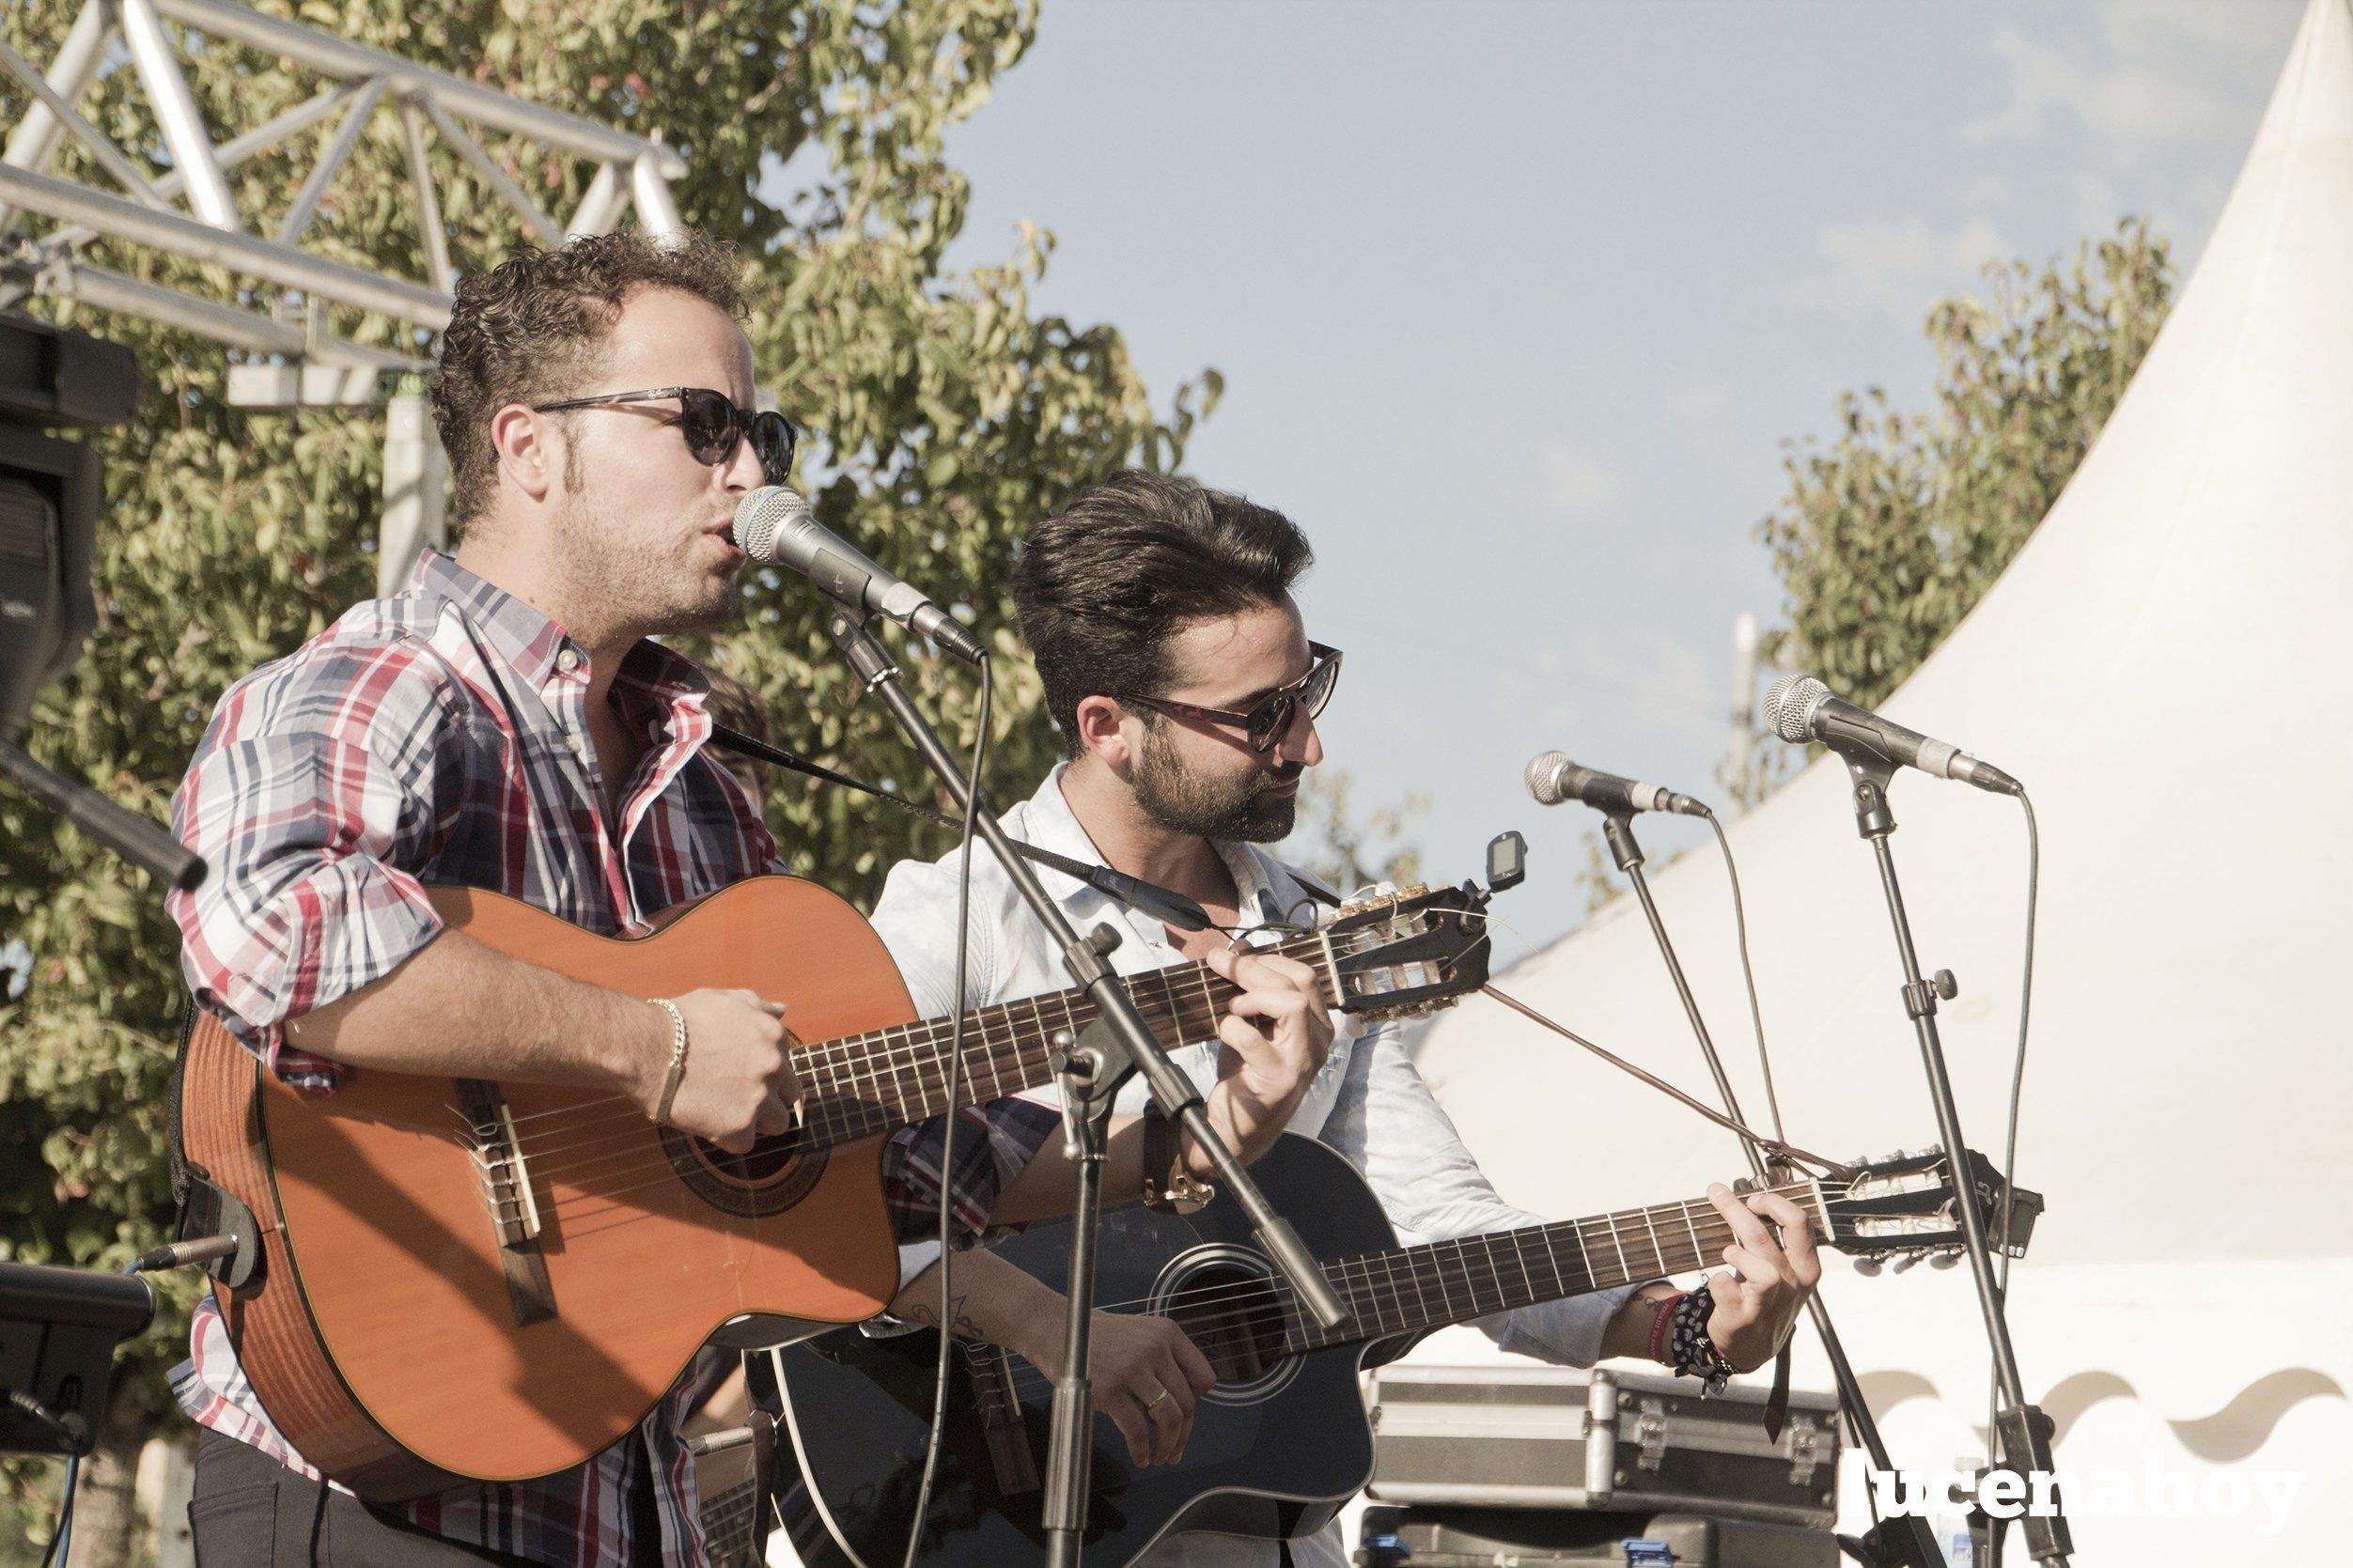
x=873 y=1053
x=868 y=1056
x=1587 y=1234
x=831 y=1122
x=834 y=1119
x=1228 y=1332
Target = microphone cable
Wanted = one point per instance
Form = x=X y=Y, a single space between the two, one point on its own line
x=947 y=1134
x=2010 y=1139
x=1748 y=975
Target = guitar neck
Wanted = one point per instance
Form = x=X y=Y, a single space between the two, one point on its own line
x=880 y=1082
x=1412 y=1290
x=731 y=1524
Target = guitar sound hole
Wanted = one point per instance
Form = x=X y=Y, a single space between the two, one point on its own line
x=768 y=1178
x=764 y=1161
x=1232 y=1314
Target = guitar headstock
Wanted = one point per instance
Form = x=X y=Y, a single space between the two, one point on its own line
x=1409 y=950
x=1905 y=1206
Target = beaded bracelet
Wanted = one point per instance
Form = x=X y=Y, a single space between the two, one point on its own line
x=1695 y=1354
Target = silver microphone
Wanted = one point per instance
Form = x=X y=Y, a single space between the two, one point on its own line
x=1803 y=710
x=1552 y=778
x=775 y=525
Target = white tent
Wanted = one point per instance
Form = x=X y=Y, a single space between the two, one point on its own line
x=2169 y=666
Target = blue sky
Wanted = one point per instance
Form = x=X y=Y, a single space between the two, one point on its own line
x=1516 y=304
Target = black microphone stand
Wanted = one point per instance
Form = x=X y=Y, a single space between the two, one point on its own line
x=134 y=837
x=1911 y=1538
x=1091 y=1069
x=2021 y=1431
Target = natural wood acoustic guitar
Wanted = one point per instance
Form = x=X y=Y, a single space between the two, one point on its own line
x=464 y=1280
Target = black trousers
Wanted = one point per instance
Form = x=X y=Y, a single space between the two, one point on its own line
x=248 y=1511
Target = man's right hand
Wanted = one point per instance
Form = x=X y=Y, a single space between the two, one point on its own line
x=1145 y=1373
x=739 y=1085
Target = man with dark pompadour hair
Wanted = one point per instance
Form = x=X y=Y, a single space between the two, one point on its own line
x=1178 y=670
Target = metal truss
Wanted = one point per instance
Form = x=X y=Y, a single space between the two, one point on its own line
x=361 y=83
x=303 y=364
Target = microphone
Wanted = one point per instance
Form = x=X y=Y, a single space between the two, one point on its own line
x=1552 y=778
x=775 y=525
x=1803 y=710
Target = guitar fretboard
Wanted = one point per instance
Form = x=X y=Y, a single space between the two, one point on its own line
x=1410 y=1290
x=860 y=1085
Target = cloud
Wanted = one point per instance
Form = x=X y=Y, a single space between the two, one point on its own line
x=1577 y=482
x=1896 y=266
x=2146 y=74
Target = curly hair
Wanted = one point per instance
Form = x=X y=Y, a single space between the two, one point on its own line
x=534 y=328
x=1103 y=585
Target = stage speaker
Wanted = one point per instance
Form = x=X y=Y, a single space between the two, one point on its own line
x=50 y=498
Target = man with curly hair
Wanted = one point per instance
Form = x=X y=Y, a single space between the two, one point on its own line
x=507 y=722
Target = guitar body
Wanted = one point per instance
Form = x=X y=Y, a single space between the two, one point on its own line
x=468 y=1280
x=1277 y=1446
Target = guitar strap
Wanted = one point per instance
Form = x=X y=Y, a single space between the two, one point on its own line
x=760 y=750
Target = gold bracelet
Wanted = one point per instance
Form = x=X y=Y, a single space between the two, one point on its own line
x=678 y=1057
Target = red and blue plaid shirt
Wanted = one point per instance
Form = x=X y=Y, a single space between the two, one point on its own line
x=442 y=736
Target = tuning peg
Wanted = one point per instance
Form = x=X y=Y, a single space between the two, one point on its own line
x=1909 y=1260
x=1944 y=1257
x=1870 y=1263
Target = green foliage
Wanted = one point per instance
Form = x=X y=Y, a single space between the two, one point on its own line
x=1893 y=528
x=947 y=416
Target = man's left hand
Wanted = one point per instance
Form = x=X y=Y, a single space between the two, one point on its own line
x=1276 y=1034
x=1758 y=1300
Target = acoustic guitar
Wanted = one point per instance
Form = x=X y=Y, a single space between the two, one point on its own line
x=1281 y=1442
x=464 y=1280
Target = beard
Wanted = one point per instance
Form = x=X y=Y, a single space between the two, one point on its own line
x=1243 y=809
x=646 y=584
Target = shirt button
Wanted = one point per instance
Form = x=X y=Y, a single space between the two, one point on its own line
x=568 y=661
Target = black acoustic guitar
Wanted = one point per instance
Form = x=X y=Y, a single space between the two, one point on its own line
x=1281 y=1442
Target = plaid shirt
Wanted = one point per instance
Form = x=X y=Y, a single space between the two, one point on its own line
x=442 y=736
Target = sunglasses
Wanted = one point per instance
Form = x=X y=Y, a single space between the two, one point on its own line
x=1265 y=722
x=712 y=424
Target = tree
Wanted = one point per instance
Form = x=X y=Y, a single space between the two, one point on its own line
x=1891 y=530
x=946 y=414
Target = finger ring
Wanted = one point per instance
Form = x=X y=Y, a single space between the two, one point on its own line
x=1156 y=1399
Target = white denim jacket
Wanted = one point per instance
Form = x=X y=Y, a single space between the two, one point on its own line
x=1368 y=1102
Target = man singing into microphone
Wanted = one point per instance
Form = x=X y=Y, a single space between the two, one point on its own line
x=506 y=721
x=1178 y=672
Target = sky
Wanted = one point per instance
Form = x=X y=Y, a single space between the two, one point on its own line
x=1517 y=304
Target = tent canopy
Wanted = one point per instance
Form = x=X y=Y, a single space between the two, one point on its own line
x=2168 y=664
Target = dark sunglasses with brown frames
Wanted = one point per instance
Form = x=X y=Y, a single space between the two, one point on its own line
x=1266 y=721
x=712 y=424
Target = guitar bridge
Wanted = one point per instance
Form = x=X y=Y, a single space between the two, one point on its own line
x=507 y=1191
x=506 y=1180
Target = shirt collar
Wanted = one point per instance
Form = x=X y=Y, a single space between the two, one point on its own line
x=517 y=632
x=531 y=644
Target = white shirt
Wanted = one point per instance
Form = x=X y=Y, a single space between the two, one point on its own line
x=1368 y=1102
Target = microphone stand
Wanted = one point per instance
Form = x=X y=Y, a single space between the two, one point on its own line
x=1091 y=1069
x=2022 y=1431
x=134 y=837
x=1911 y=1539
